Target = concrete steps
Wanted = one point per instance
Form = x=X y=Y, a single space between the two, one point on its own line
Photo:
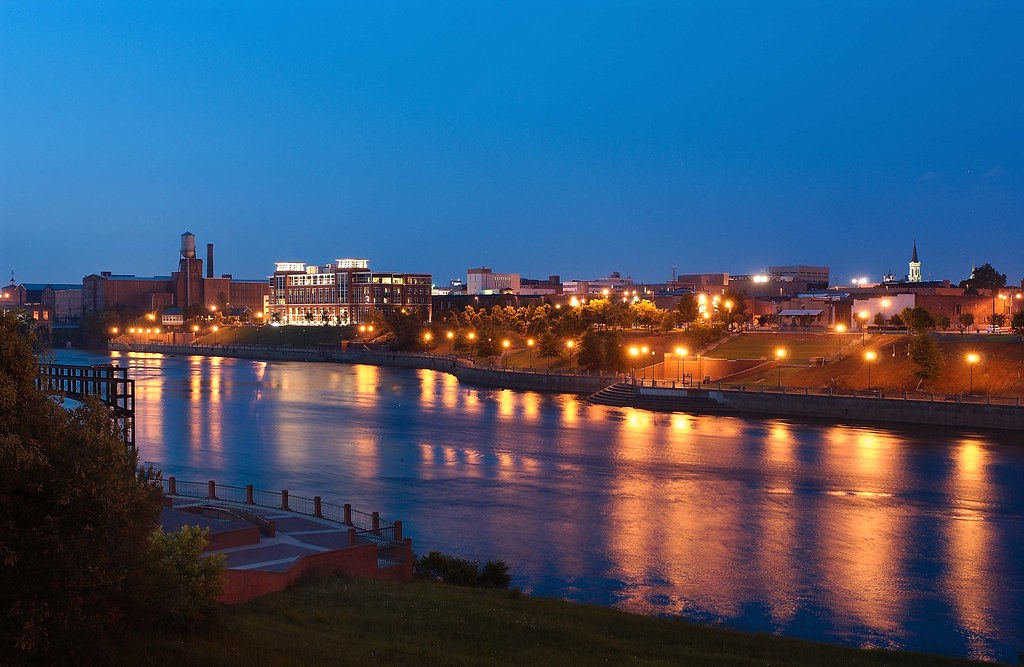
x=626 y=395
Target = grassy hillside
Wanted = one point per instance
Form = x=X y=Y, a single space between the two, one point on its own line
x=1000 y=371
x=357 y=622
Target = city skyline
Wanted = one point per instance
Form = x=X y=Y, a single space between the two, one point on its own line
x=578 y=139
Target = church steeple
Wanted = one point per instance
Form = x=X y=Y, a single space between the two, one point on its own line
x=915 y=266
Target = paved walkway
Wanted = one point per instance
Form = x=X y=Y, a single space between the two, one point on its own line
x=297 y=535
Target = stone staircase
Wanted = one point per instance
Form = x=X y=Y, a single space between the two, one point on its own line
x=626 y=395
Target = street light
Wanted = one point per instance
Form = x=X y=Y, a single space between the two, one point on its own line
x=780 y=353
x=569 y=344
x=529 y=346
x=972 y=359
x=451 y=343
x=869 y=357
x=427 y=336
x=633 y=354
x=680 y=353
x=214 y=329
x=863 y=315
x=840 y=328
x=505 y=344
x=885 y=305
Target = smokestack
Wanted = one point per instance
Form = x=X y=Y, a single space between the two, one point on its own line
x=209 y=260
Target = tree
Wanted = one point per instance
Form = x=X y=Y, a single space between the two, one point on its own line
x=77 y=512
x=645 y=314
x=590 y=350
x=926 y=356
x=996 y=319
x=738 y=313
x=1017 y=324
x=983 y=277
x=964 y=321
x=686 y=310
x=942 y=322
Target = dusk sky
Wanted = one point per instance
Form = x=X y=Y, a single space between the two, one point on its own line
x=542 y=138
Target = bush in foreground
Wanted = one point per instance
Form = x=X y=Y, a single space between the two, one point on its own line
x=462 y=572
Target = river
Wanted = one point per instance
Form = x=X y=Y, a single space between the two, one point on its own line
x=865 y=536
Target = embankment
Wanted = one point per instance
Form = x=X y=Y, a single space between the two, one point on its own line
x=466 y=372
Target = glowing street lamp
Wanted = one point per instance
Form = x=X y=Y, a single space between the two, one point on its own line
x=570 y=344
x=214 y=329
x=633 y=354
x=529 y=346
x=885 y=305
x=505 y=344
x=780 y=354
x=451 y=342
x=113 y=330
x=869 y=357
x=972 y=359
x=863 y=316
x=427 y=336
x=840 y=329
x=680 y=353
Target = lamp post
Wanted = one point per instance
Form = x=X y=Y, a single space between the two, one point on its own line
x=840 y=328
x=644 y=350
x=869 y=357
x=863 y=316
x=885 y=306
x=569 y=344
x=427 y=336
x=633 y=354
x=214 y=329
x=451 y=343
x=780 y=354
x=972 y=359
x=505 y=344
x=680 y=353
x=529 y=347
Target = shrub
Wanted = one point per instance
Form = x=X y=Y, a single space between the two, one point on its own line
x=186 y=585
x=462 y=572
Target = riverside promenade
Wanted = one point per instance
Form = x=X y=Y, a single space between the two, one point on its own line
x=270 y=539
x=960 y=411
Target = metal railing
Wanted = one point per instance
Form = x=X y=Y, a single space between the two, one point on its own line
x=369 y=527
x=876 y=394
x=107 y=382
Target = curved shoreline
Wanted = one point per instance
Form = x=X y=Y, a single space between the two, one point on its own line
x=873 y=408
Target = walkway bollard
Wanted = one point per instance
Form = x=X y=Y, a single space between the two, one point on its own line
x=249 y=495
x=398 y=530
x=375 y=522
x=348 y=514
x=172 y=486
x=284 y=499
x=317 y=507
x=212 y=494
x=351 y=537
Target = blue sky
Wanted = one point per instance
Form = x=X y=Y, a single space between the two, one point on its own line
x=566 y=138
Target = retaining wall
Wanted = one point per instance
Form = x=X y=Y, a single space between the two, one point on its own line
x=845 y=408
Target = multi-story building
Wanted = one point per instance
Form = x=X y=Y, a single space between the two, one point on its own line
x=185 y=288
x=485 y=281
x=345 y=292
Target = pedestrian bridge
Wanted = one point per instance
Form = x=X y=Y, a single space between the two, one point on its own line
x=110 y=384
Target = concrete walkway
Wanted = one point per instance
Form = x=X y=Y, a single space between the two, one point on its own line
x=296 y=536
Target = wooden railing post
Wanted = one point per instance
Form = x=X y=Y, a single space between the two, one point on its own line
x=351 y=537
x=249 y=495
x=172 y=486
x=284 y=499
x=375 y=522
x=348 y=514
x=212 y=493
x=398 y=530
x=317 y=507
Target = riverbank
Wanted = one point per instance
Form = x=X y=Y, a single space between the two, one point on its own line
x=759 y=401
x=466 y=372
x=356 y=621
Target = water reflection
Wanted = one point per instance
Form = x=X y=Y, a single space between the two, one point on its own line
x=860 y=535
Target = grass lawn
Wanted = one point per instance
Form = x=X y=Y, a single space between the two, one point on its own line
x=354 y=622
x=801 y=346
